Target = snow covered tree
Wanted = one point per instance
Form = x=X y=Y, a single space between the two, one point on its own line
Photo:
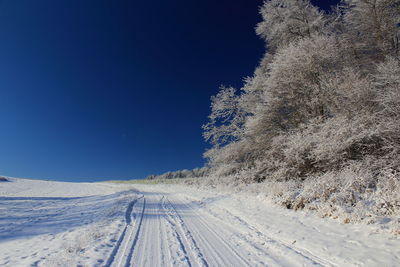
x=285 y=21
x=314 y=102
x=374 y=25
x=387 y=80
x=226 y=118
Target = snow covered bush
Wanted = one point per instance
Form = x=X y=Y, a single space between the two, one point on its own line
x=387 y=194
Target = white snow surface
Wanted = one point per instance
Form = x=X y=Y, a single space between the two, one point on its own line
x=45 y=223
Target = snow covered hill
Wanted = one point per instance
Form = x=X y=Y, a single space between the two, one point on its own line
x=97 y=224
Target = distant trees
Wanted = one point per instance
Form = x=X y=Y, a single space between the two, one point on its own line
x=325 y=95
x=194 y=173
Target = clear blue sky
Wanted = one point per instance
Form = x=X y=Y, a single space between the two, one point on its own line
x=98 y=89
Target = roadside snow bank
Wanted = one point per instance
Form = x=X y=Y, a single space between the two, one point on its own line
x=344 y=196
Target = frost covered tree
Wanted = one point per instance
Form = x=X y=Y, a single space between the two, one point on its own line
x=294 y=88
x=286 y=21
x=387 y=81
x=374 y=25
x=325 y=94
x=226 y=118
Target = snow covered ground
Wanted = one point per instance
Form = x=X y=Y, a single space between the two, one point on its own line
x=59 y=224
x=96 y=224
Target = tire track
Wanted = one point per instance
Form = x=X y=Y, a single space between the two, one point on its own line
x=150 y=240
x=187 y=243
x=218 y=250
x=137 y=230
x=122 y=252
x=278 y=244
x=168 y=236
x=173 y=231
x=128 y=219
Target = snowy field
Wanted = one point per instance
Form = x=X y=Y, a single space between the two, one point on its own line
x=96 y=224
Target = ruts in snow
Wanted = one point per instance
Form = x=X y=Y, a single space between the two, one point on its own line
x=164 y=230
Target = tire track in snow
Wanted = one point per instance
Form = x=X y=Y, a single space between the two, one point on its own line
x=199 y=238
x=137 y=230
x=159 y=242
x=187 y=243
x=149 y=251
x=166 y=246
x=128 y=219
x=122 y=252
x=218 y=251
x=278 y=245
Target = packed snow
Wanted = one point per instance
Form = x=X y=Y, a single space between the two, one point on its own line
x=45 y=223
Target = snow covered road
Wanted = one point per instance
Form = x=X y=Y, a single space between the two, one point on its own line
x=66 y=224
x=178 y=226
x=169 y=232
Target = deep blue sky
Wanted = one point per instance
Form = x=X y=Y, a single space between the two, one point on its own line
x=94 y=90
